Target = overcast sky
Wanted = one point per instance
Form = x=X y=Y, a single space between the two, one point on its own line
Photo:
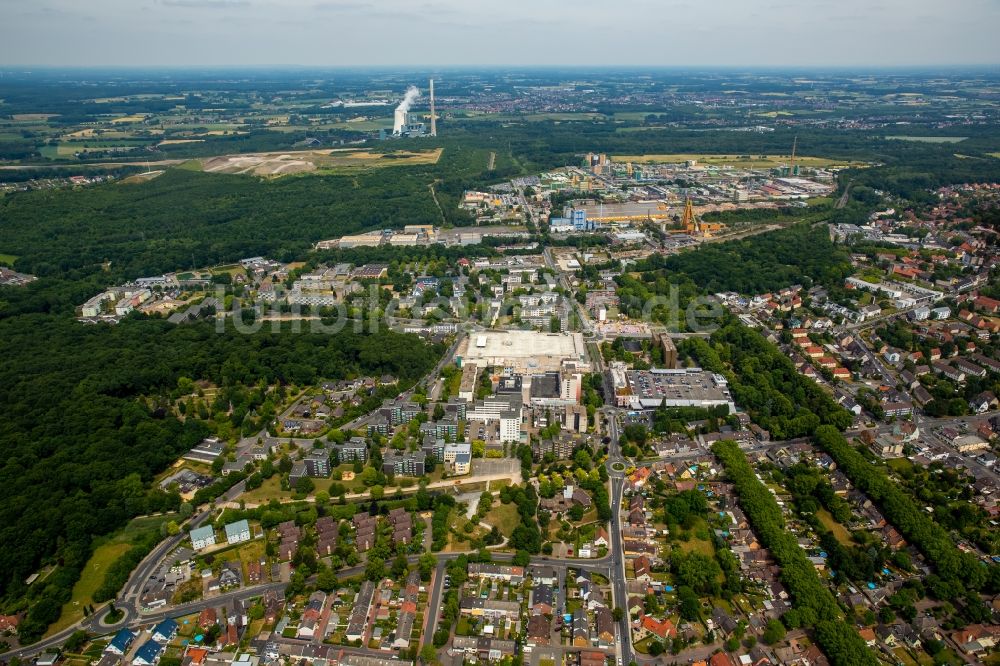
x=499 y=32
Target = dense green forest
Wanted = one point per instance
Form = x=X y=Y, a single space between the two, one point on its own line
x=765 y=382
x=636 y=294
x=85 y=427
x=801 y=254
x=813 y=604
x=185 y=219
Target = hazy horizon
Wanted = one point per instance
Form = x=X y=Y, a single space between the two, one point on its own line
x=446 y=33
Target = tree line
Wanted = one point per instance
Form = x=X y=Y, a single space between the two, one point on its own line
x=814 y=605
x=765 y=382
x=956 y=569
x=801 y=254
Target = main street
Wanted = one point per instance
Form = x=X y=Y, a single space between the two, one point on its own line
x=616 y=465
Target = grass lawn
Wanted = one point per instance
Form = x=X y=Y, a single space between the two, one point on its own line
x=232 y=269
x=839 y=531
x=742 y=603
x=251 y=551
x=463 y=628
x=353 y=486
x=255 y=627
x=694 y=544
x=270 y=489
x=504 y=517
x=719 y=602
x=8 y=259
x=904 y=657
x=139 y=525
x=642 y=647
x=459 y=539
x=898 y=464
x=91 y=579
x=97 y=566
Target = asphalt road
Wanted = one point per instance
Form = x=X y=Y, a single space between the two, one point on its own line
x=617 y=550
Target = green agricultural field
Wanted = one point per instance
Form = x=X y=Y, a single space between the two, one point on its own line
x=564 y=117
x=639 y=128
x=364 y=125
x=928 y=139
x=535 y=117
x=69 y=148
x=634 y=115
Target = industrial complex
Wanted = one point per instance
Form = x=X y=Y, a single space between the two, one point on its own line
x=406 y=123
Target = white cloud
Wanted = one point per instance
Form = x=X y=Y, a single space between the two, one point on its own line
x=206 y=4
x=515 y=32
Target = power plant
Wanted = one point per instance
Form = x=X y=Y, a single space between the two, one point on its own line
x=409 y=124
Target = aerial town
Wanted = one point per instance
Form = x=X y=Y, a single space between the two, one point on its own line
x=513 y=368
x=559 y=487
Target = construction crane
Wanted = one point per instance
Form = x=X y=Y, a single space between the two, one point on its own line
x=795 y=142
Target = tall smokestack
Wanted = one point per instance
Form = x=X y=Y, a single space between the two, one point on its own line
x=434 y=129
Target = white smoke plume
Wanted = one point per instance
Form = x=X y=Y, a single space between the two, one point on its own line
x=412 y=93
